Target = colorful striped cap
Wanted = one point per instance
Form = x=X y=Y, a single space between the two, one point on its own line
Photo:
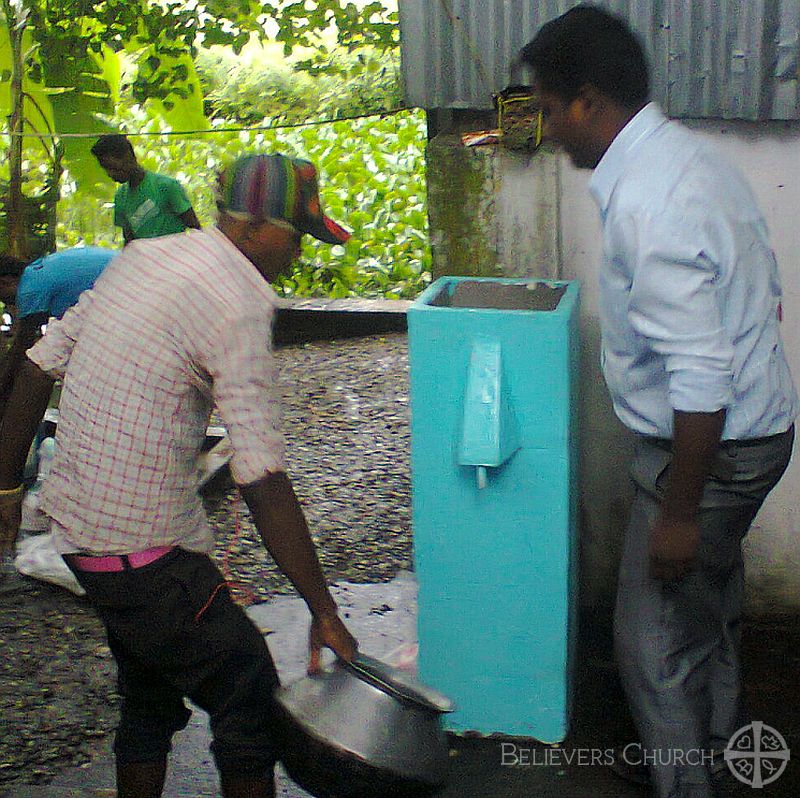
x=264 y=187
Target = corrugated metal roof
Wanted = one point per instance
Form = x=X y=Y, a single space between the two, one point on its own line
x=732 y=59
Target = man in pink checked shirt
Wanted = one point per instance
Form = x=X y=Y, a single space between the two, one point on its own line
x=141 y=372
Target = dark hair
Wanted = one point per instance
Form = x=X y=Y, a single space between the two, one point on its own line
x=589 y=46
x=113 y=144
x=11 y=266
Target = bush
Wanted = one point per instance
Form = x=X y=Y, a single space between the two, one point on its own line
x=253 y=87
x=364 y=81
x=261 y=84
x=372 y=181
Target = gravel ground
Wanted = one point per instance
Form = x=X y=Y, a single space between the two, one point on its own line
x=345 y=409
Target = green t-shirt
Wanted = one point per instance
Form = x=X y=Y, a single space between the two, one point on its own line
x=152 y=208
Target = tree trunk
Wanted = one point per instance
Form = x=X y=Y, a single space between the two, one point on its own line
x=15 y=204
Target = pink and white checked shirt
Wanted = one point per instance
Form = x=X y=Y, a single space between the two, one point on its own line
x=173 y=326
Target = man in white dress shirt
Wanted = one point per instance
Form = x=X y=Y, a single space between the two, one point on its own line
x=693 y=359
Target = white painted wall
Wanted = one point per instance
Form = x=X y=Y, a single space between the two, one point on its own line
x=769 y=156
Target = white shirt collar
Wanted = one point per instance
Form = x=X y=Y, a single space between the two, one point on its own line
x=611 y=165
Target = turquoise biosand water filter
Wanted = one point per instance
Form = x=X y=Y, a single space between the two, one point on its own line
x=494 y=366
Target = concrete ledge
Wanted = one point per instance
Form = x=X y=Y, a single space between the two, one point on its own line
x=302 y=320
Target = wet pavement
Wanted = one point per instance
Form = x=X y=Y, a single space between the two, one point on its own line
x=383 y=618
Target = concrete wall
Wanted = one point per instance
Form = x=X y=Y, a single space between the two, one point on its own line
x=769 y=156
x=492 y=212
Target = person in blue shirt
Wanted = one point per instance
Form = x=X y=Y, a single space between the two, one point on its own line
x=41 y=290
x=694 y=362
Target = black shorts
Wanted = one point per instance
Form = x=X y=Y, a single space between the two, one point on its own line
x=174 y=637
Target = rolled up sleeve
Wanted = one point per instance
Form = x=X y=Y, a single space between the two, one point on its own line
x=675 y=305
x=245 y=390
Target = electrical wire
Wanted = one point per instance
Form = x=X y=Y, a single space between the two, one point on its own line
x=206 y=131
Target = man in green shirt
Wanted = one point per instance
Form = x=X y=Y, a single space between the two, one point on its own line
x=146 y=205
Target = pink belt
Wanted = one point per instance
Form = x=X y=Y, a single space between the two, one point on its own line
x=113 y=563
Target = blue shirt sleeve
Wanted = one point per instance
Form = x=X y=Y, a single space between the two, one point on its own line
x=33 y=294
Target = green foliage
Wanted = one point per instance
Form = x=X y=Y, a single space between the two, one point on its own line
x=72 y=69
x=372 y=181
x=156 y=34
x=71 y=38
x=92 y=66
x=72 y=45
x=301 y=22
x=65 y=56
x=260 y=84
x=256 y=85
x=361 y=81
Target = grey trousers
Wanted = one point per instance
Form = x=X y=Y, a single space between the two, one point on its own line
x=678 y=644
